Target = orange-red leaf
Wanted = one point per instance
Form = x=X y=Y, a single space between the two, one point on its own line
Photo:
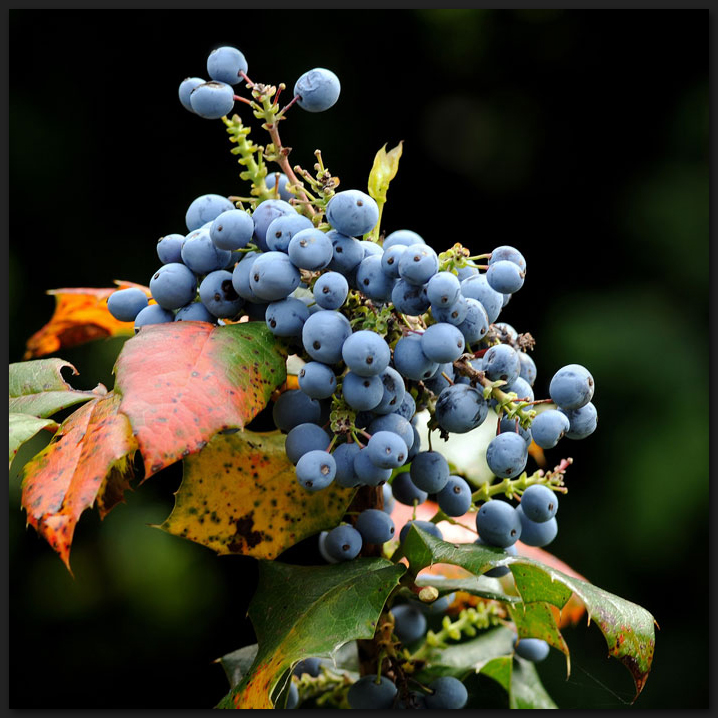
x=182 y=382
x=88 y=460
x=80 y=316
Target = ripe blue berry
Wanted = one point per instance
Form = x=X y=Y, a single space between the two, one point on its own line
x=343 y=543
x=572 y=387
x=173 y=285
x=126 y=304
x=316 y=469
x=224 y=65
x=212 y=100
x=498 y=523
x=218 y=295
x=206 y=208
x=539 y=503
x=449 y=692
x=317 y=89
x=352 y=212
x=532 y=649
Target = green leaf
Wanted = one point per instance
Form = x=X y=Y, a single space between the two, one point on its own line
x=482 y=586
x=527 y=690
x=537 y=620
x=182 y=382
x=383 y=171
x=23 y=427
x=238 y=662
x=627 y=627
x=38 y=388
x=303 y=611
x=491 y=654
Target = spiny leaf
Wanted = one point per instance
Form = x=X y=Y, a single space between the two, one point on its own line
x=182 y=382
x=303 y=611
x=627 y=628
x=38 y=388
x=88 y=460
x=240 y=494
x=23 y=427
x=538 y=620
x=80 y=316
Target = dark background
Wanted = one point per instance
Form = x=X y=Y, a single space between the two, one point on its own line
x=580 y=137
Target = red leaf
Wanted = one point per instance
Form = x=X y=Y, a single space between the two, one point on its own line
x=89 y=459
x=80 y=316
x=183 y=382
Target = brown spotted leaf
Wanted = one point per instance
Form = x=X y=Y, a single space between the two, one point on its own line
x=240 y=494
x=88 y=460
x=182 y=382
x=627 y=627
x=304 y=611
x=80 y=316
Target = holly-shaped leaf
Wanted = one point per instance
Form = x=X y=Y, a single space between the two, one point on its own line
x=88 y=460
x=627 y=628
x=538 y=619
x=182 y=382
x=80 y=316
x=23 y=427
x=38 y=388
x=304 y=611
x=240 y=494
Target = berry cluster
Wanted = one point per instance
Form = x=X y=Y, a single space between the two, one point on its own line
x=388 y=332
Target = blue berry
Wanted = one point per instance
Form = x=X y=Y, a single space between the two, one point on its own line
x=582 y=422
x=454 y=314
x=185 y=90
x=571 y=387
x=362 y=393
x=225 y=63
x=549 y=427
x=347 y=252
x=303 y=438
x=528 y=368
x=173 y=285
x=460 y=408
x=534 y=533
x=206 y=208
x=390 y=260
x=507 y=455
x=286 y=317
x=317 y=380
x=418 y=264
x=292 y=696
x=218 y=295
x=532 y=649
x=476 y=322
x=505 y=277
x=241 y=277
x=387 y=450
x=169 y=248
x=539 y=503
x=126 y=304
x=394 y=391
x=343 y=543
x=372 y=281
x=388 y=497
x=367 y=471
x=375 y=526
x=201 y=255
x=322 y=546
x=442 y=342
x=316 y=469
x=498 y=523
x=153 y=314
x=438 y=382
x=405 y=237
x=429 y=471
x=448 y=693
x=282 y=229
x=352 y=212
x=501 y=362
x=294 y=407
x=520 y=387
x=317 y=90
x=330 y=290
x=324 y=334
x=443 y=289
x=344 y=456
x=232 y=229
x=263 y=216
x=405 y=492
x=310 y=666
x=476 y=287
x=366 y=353
x=407 y=408
x=463 y=273
x=512 y=425
x=310 y=249
x=507 y=253
x=409 y=622
x=409 y=298
x=212 y=100
x=273 y=276
x=395 y=423
x=370 y=694
x=195 y=312
x=455 y=498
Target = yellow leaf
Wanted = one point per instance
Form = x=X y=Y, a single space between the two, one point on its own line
x=240 y=495
x=386 y=165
